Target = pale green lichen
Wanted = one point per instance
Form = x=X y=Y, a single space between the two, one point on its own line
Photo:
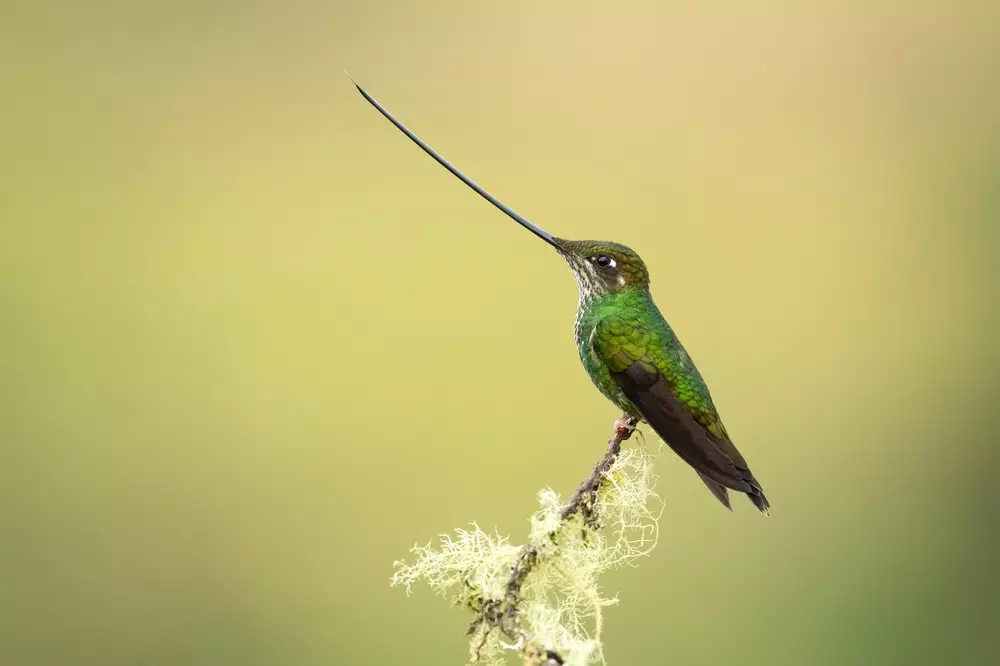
x=559 y=603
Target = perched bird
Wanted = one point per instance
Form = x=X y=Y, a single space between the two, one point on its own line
x=632 y=354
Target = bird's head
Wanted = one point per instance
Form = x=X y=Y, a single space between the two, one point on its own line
x=603 y=267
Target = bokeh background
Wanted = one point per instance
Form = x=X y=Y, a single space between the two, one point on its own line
x=254 y=344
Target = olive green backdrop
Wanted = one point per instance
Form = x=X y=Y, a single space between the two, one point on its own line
x=254 y=344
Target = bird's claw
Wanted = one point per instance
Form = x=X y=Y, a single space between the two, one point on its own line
x=625 y=426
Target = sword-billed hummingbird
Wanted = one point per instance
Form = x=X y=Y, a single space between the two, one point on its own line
x=632 y=354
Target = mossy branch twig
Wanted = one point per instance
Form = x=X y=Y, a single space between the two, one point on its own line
x=561 y=560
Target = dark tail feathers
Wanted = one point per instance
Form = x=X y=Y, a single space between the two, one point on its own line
x=721 y=493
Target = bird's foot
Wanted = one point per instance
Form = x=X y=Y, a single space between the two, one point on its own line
x=625 y=426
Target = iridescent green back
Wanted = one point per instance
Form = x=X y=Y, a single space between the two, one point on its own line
x=615 y=330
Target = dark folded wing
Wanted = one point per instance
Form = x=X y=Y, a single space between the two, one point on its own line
x=626 y=349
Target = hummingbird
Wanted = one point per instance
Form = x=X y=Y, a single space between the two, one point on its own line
x=631 y=353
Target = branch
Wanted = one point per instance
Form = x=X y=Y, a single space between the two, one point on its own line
x=585 y=497
x=502 y=614
x=544 y=597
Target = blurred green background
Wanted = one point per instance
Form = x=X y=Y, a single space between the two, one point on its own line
x=254 y=344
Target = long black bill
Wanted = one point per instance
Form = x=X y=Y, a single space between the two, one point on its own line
x=520 y=219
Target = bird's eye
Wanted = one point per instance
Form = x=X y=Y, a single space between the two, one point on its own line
x=604 y=261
